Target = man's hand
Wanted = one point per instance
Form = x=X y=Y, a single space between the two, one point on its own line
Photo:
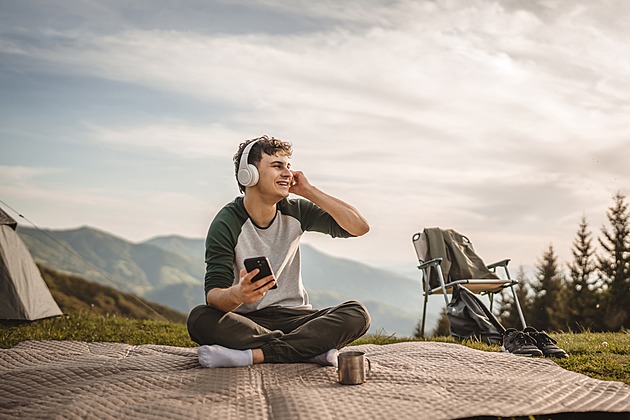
x=244 y=291
x=247 y=292
x=300 y=185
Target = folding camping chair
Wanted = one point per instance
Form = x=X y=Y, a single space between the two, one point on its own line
x=446 y=253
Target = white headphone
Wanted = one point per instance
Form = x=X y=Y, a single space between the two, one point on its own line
x=247 y=173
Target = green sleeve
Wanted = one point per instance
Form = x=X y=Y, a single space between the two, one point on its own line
x=313 y=218
x=220 y=243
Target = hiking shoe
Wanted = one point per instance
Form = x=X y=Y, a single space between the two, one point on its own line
x=545 y=343
x=519 y=343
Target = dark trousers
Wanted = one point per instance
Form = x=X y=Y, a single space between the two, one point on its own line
x=285 y=335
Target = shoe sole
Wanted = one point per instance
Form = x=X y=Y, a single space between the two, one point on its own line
x=504 y=350
x=557 y=356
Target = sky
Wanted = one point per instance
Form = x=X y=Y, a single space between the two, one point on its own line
x=507 y=121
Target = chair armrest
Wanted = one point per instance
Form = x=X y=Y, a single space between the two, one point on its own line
x=502 y=263
x=434 y=261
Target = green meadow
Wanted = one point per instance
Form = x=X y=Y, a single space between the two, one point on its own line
x=598 y=355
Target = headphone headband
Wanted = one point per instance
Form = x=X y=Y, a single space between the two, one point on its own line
x=245 y=155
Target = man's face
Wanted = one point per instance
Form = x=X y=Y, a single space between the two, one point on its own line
x=275 y=175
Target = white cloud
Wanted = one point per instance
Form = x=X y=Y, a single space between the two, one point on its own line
x=427 y=72
x=18 y=175
x=486 y=116
x=176 y=137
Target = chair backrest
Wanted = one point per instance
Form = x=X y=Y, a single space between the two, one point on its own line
x=459 y=260
x=421 y=246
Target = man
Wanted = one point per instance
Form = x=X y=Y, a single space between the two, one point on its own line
x=247 y=322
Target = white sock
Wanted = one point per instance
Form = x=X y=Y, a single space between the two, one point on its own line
x=326 y=359
x=218 y=356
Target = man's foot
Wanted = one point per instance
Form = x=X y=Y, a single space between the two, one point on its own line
x=218 y=356
x=326 y=359
x=545 y=343
x=519 y=343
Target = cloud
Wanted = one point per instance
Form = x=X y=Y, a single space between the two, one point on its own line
x=429 y=69
x=492 y=116
x=18 y=175
x=174 y=137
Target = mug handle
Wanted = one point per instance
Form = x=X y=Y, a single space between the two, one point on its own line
x=369 y=366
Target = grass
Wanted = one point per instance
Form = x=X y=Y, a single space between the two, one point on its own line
x=95 y=328
x=599 y=355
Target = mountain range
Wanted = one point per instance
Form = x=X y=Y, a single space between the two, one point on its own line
x=169 y=270
x=75 y=295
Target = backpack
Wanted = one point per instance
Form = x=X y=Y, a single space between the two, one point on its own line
x=470 y=319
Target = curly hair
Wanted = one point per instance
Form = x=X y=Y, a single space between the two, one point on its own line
x=270 y=146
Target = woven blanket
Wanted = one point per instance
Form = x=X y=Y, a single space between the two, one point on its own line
x=49 y=379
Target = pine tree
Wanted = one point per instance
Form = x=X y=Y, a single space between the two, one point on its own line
x=443 y=327
x=417 y=332
x=615 y=266
x=508 y=314
x=583 y=299
x=548 y=310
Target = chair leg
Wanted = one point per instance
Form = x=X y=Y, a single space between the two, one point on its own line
x=518 y=305
x=518 y=308
x=439 y=272
x=424 y=315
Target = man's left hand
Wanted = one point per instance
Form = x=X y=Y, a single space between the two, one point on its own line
x=300 y=184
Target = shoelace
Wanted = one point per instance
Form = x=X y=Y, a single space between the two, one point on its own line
x=542 y=338
x=522 y=339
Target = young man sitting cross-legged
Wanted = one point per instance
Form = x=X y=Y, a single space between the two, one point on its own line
x=244 y=323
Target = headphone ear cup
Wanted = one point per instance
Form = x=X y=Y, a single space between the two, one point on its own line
x=243 y=176
x=248 y=176
x=254 y=175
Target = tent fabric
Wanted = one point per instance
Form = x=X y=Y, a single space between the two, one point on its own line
x=23 y=292
x=71 y=379
x=5 y=219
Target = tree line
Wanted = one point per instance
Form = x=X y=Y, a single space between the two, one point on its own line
x=593 y=295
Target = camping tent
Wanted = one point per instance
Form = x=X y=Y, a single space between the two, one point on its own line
x=23 y=292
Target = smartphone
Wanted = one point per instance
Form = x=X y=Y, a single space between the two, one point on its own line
x=261 y=263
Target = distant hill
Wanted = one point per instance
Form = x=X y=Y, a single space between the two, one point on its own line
x=193 y=248
x=76 y=295
x=170 y=270
x=107 y=259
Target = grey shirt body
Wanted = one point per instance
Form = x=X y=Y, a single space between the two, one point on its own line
x=233 y=237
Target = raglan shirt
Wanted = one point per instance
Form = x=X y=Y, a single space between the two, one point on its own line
x=233 y=237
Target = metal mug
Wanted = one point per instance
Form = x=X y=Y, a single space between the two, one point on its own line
x=351 y=367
